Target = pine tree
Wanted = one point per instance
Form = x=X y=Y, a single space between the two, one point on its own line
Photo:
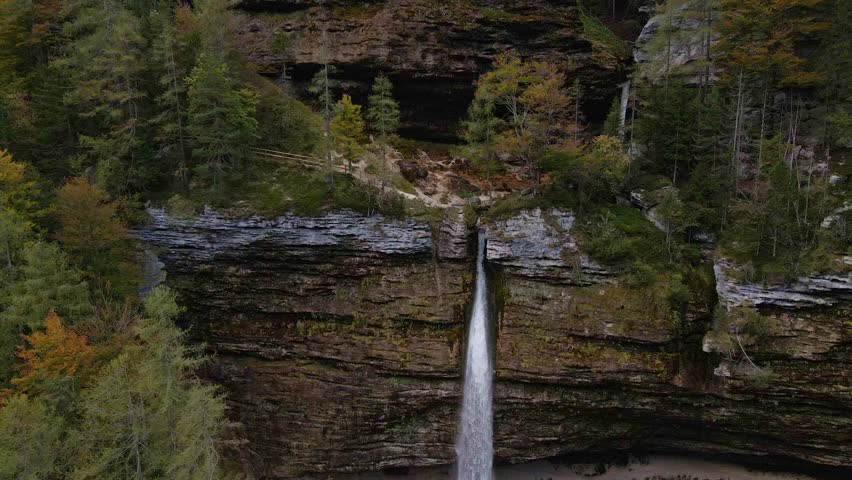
x=105 y=64
x=382 y=109
x=170 y=122
x=113 y=440
x=281 y=44
x=834 y=63
x=322 y=86
x=46 y=282
x=14 y=231
x=480 y=128
x=347 y=129
x=221 y=116
x=31 y=435
x=147 y=416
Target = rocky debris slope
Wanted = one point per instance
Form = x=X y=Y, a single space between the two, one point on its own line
x=337 y=338
x=428 y=49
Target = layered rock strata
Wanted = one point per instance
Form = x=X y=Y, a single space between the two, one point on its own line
x=585 y=362
x=338 y=341
x=429 y=49
x=336 y=338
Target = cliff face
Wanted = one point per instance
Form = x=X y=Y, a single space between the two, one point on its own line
x=338 y=340
x=586 y=362
x=430 y=49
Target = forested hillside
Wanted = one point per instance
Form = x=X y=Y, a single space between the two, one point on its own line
x=731 y=142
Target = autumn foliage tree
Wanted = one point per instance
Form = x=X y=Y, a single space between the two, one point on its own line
x=44 y=281
x=532 y=106
x=54 y=354
x=759 y=37
x=94 y=236
x=347 y=129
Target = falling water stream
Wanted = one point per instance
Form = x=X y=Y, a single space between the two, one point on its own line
x=474 y=446
x=622 y=117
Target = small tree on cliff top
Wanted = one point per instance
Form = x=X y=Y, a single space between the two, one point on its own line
x=347 y=129
x=534 y=109
x=382 y=109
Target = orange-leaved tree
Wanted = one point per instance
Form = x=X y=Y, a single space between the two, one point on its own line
x=760 y=39
x=54 y=354
x=94 y=237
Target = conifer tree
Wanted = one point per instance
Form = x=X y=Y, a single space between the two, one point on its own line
x=347 y=129
x=147 y=416
x=382 y=109
x=480 y=128
x=105 y=64
x=46 y=282
x=322 y=86
x=221 y=115
x=170 y=122
x=113 y=441
x=31 y=435
x=834 y=63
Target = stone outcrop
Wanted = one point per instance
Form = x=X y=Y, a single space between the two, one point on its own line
x=683 y=50
x=804 y=292
x=539 y=244
x=430 y=50
x=338 y=340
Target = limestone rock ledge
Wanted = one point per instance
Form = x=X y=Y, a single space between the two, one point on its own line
x=337 y=338
x=805 y=292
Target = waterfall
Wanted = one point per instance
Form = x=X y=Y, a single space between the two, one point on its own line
x=625 y=98
x=474 y=446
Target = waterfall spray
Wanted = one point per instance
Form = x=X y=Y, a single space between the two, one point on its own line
x=475 y=443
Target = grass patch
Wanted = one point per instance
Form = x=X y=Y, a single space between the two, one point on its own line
x=271 y=189
x=400 y=183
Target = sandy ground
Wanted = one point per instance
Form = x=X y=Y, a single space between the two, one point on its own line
x=653 y=467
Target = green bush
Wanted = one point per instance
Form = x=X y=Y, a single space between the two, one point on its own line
x=620 y=237
x=181 y=207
